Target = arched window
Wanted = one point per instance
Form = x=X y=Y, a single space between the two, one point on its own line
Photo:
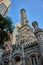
x=34 y=60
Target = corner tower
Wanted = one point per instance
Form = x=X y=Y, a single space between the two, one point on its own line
x=39 y=34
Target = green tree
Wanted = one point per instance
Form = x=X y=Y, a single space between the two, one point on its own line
x=5 y=26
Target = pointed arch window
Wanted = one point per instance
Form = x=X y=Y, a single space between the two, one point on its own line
x=34 y=60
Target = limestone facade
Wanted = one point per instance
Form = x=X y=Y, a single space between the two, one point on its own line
x=28 y=46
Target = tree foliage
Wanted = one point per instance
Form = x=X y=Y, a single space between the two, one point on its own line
x=5 y=26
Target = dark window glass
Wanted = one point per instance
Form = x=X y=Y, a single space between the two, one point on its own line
x=32 y=61
x=35 y=61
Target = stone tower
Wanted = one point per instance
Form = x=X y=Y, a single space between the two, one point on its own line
x=25 y=31
x=39 y=35
x=23 y=17
x=26 y=49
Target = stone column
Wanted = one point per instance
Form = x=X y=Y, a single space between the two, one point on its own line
x=30 y=61
x=2 y=63
x=23 y=56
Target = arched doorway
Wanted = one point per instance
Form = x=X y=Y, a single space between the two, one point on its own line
x=6 y=63
x=18 y=60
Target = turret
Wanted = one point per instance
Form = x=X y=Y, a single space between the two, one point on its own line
x=35 y=25
x=39 y=34
x=23 y=17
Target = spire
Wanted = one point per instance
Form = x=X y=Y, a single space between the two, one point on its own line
x=23 y=17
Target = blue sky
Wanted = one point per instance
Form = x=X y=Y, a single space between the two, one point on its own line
x=34 y=9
